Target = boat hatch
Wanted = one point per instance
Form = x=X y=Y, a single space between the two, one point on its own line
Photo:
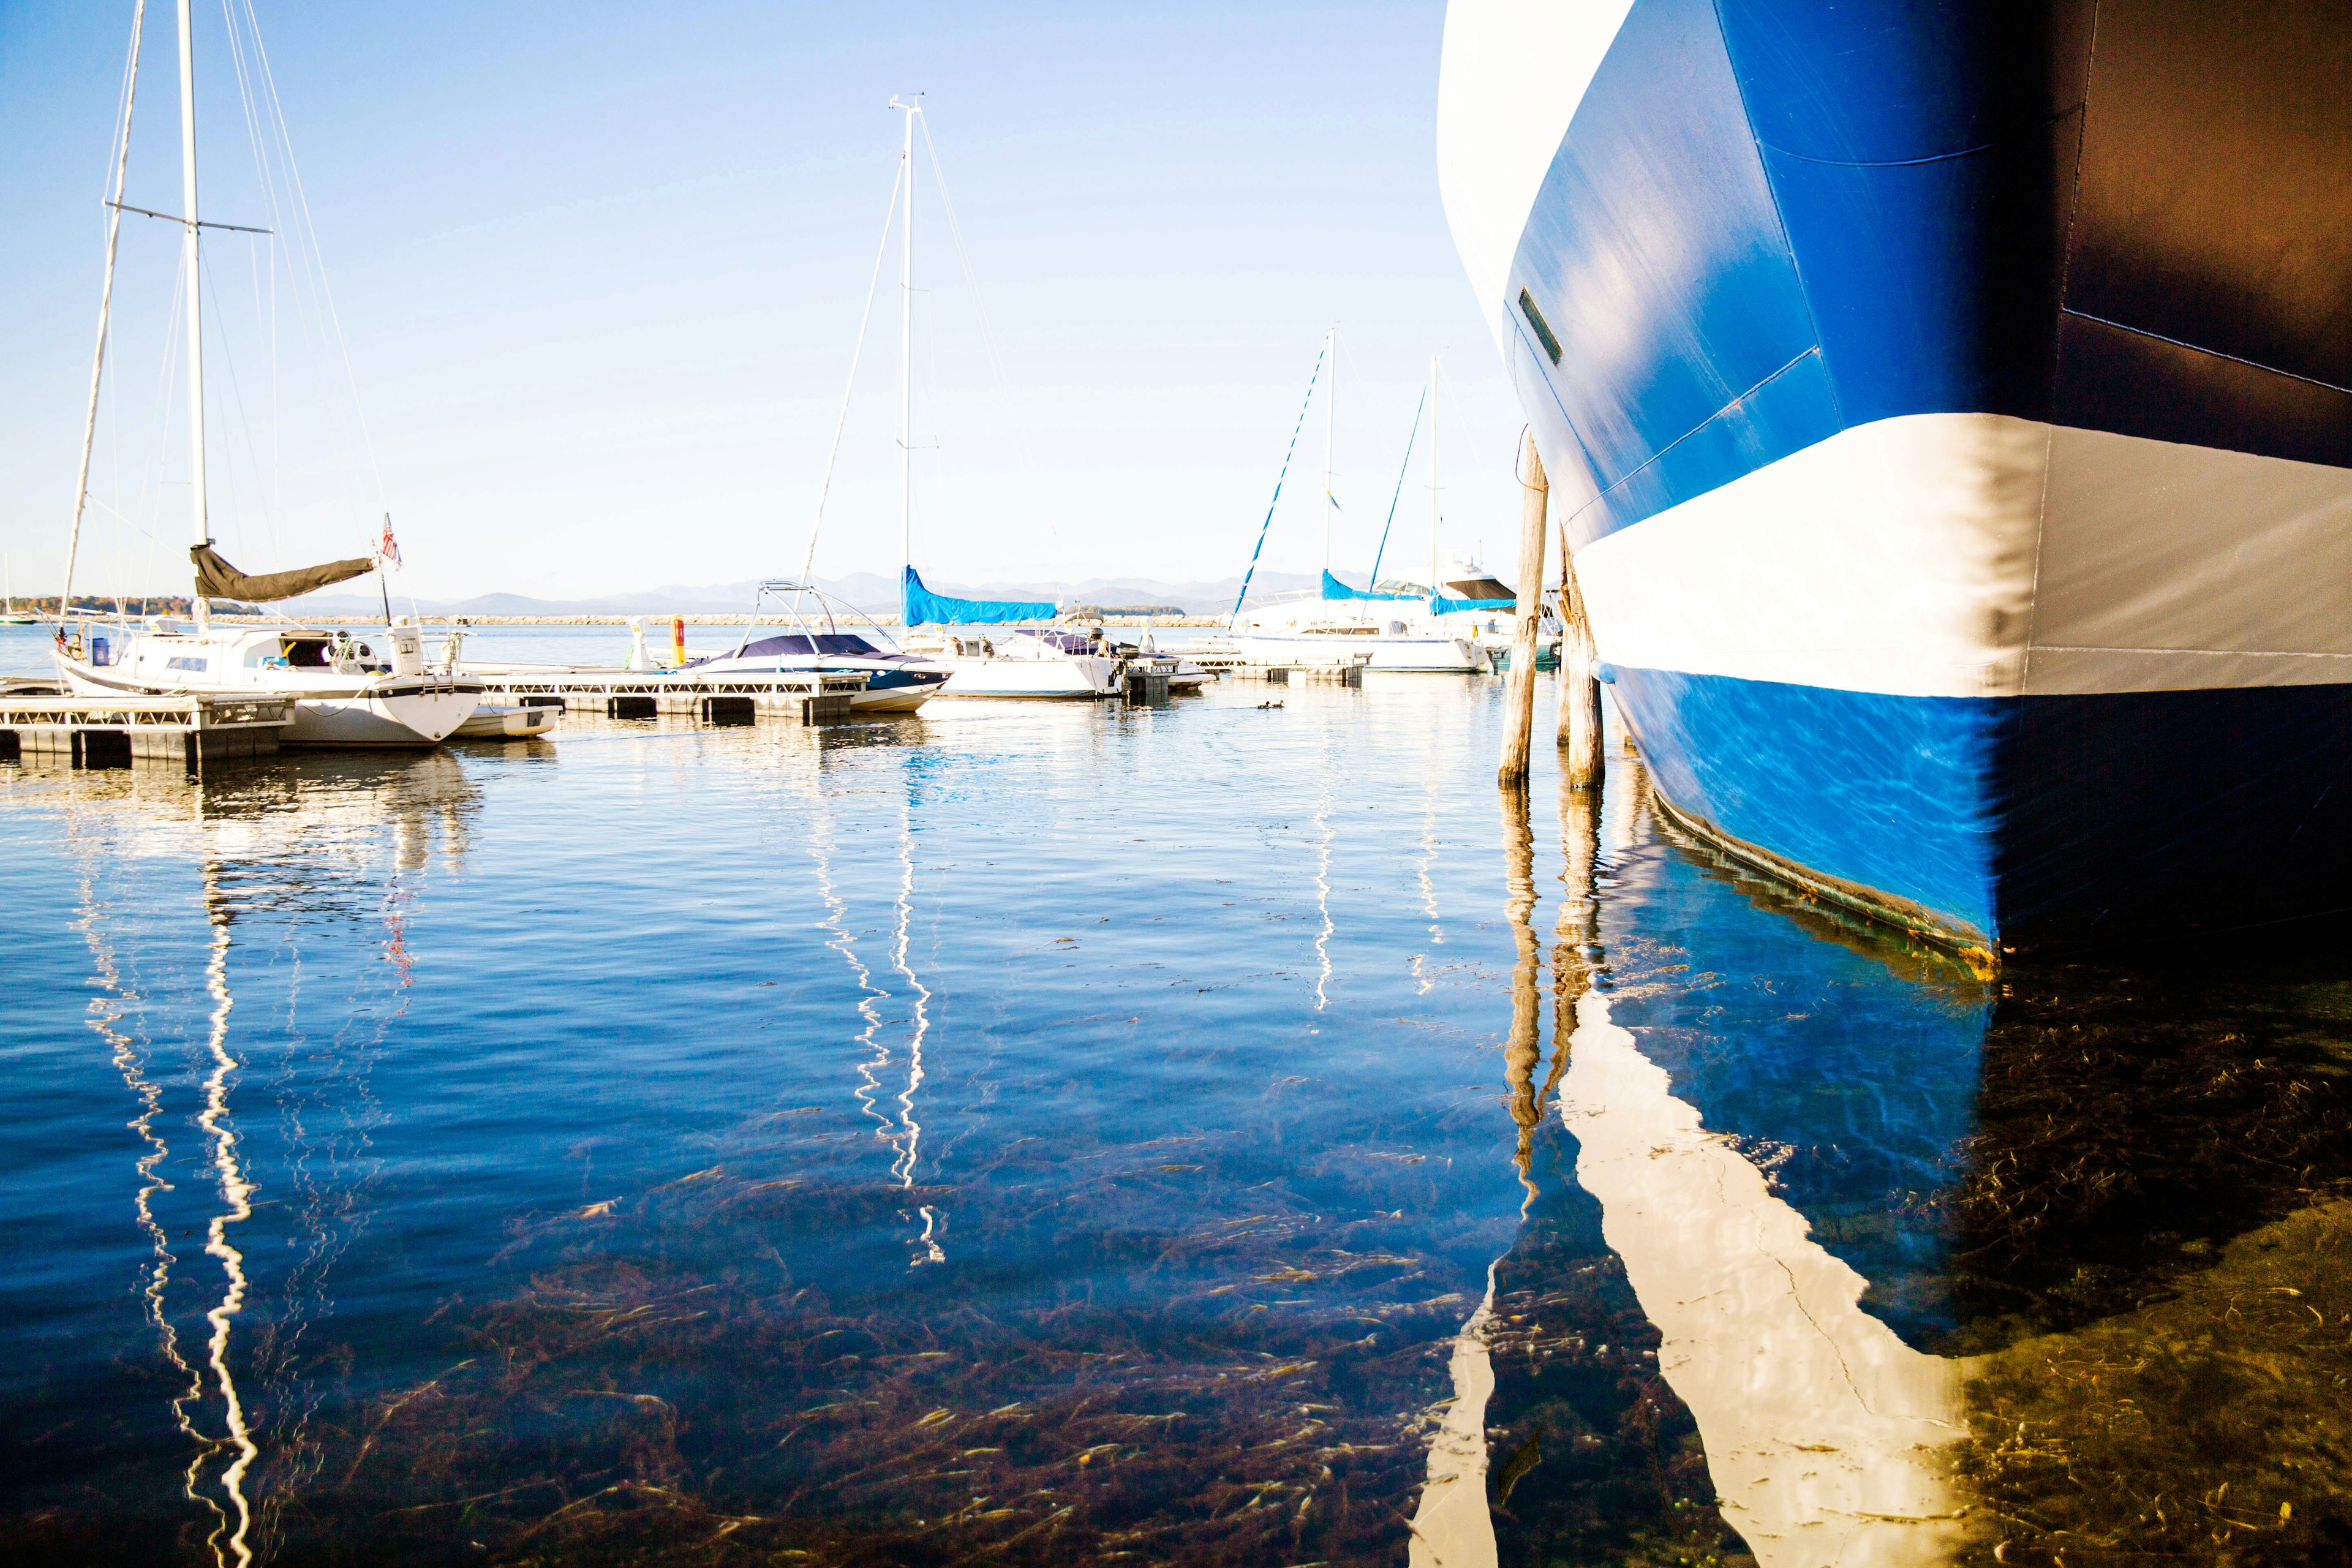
x=306 y=653
x=1481 y=588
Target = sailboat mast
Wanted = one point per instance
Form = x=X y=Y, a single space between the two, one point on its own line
x=194 y=285
x=1434 y=428
x=906 y=348
x=1330 y=424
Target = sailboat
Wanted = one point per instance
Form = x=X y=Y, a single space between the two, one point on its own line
x=1031 y=663
x=347 y=692
x=12 y=616
x=1408 y=627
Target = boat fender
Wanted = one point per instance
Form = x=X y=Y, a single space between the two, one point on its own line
x=1605 y=673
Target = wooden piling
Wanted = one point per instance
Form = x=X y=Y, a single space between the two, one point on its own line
x=1581 y=763
x=1519 y=698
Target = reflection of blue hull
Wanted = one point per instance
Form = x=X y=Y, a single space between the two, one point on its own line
x=1946 y=402
x=2019 y=814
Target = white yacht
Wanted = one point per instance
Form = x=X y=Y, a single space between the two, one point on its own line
x=1029 y=663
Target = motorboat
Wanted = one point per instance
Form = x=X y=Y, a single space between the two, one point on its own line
x=818 y=634
x=509 y=722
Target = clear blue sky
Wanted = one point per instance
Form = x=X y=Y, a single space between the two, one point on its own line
x=599 y=267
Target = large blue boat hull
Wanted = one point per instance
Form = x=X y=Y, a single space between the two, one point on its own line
x=1945 y=406
x=1967 y=817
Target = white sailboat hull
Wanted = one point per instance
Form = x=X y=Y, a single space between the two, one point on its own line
x=1419 y=655
x=331 y=707
x=1074 y=676
x=504 y=721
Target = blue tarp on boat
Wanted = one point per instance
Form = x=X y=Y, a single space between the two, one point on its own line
x=927 y=608
x=1441 y=606
x=1335 y=589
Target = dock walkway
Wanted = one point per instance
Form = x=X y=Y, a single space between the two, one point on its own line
x=39 y=720
x=815 y=698
x=1344 y=668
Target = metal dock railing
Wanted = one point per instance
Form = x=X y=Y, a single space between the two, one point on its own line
x=813 y=699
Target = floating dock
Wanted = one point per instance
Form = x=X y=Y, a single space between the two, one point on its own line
x=38 y=722
x=815 y=699
x=1342 y=669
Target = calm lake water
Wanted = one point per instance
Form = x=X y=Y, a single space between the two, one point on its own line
x=1051 y=1134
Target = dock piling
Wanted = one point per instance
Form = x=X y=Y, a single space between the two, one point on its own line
x=1581 y=760
x=1519 y=698
x=725 y=710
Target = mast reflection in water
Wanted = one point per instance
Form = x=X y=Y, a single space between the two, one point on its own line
x=1195 y=1135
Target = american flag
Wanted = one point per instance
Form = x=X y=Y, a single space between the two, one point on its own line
x=390 y=549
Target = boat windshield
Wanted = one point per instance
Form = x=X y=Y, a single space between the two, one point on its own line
x=841 y=644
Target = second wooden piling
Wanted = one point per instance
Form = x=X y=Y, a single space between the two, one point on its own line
x=1581 y=763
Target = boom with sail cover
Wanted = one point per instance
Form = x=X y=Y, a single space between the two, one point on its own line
x=217 y=579
x=927 y=608
x=1335 y=589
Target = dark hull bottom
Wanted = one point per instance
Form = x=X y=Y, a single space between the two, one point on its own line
x=2012 y=820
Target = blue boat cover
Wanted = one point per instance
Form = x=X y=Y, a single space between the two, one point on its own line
x=1439 y=604
x=1335 y=589
x=927 y=608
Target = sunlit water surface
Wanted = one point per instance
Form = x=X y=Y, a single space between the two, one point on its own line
x=1220 y=1134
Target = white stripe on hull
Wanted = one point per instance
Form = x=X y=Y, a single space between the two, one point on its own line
x=1978 y=555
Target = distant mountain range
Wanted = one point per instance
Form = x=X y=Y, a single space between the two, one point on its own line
x=869 y=591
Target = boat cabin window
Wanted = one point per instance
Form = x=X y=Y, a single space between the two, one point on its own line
x=1544 y=334
x=307 y=653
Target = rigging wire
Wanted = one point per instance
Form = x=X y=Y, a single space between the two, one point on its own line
x=987 y=330
x=1313 y=376
x=1395 y=495
x=266 y=99
x=119 y=155
x=881 y=253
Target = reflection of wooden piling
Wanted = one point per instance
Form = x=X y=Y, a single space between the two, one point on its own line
x=1524 y=1047
x=1519 y=701
x=1576 y=952
x=1579 y=685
